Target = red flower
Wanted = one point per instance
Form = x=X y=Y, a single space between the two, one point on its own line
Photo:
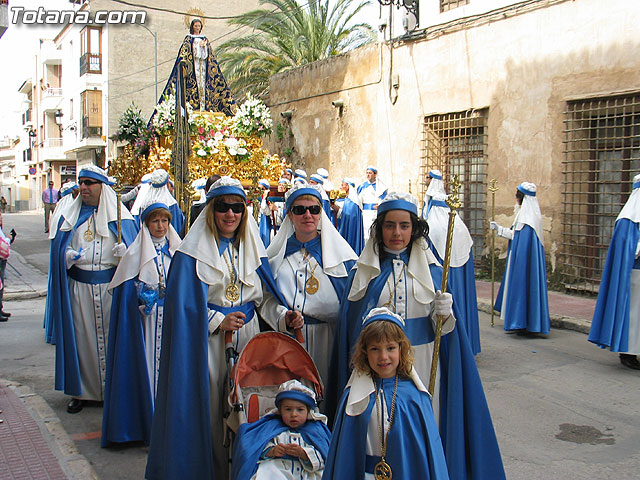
x=200 y=130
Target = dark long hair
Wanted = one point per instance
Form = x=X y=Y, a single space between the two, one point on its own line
x=419 y=228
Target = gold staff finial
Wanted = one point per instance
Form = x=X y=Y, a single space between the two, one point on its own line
x=454 y=204
x=118 y=187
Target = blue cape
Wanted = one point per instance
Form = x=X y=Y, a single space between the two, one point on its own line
x=469 y=440
x=128 y=400
x=527 y=304
x=253 y=437
x=414 y=449
x=265 y=227
x=180 y=434
x=58 y=308
x=610 y=324
x=350 y=226
x=177 y=217
x=462 y=284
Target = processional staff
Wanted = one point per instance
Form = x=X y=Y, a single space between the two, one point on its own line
x=454 y=204
x=118 y=189
x=493 y=189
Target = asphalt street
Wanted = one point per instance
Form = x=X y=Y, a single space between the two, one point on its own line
x=562 y=408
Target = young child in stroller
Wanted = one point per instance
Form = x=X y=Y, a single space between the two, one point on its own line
x=290 y=442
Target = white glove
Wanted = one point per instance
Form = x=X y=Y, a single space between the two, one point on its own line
x=71 y=257
x=505 y=232
x=443 y=304
x=493 y=226
x=119 y=249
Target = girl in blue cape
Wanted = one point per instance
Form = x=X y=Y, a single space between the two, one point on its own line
x=218 y=278
x=522 y=298
x=397 y=270
x=291 y=442
x=385 y=424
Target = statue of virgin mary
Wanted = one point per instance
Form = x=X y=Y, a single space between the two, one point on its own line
x=206 y=87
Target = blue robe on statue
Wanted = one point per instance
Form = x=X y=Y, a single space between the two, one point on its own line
x=462 y=284
x=469 y=440
x=523 y=290
x=350 y=225
x=414 y=448
x=58 y=308
x=610 y=324
x=181 y=443
x=253 y=437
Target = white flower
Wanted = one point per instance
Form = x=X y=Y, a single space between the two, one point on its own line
x=232 y=151
x=231 y=142
x=218 y=136
x=201 y=153
x=211 y=142
x=242 y=151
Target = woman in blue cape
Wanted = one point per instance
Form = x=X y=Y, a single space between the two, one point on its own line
x=135 y=333
x=218 y=278
x=349 y=216
x=462 y=279
x=616 y=320
x=310 y=262
x=522 y=298
x=398 y=270
x=385 y=420
x=206 y=87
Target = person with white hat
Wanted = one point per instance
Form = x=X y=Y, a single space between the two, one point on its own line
x=616 y=319
x=371 y=192
x=348 y=212
x=133 y=358
x=265 y=224
x=290 y=442
x=522 y=298
x=397 y=270
x=385 y=422
x=310 y=263
x=159 y=193
x=435 y=185
x=83 y=260
x=462 y=279
x=219 y=279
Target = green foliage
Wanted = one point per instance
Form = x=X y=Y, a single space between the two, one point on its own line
x=288 y=151
x=280 y=131
x=288 y=36
x=131 y=124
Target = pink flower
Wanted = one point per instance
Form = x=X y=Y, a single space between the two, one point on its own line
x=200 y=130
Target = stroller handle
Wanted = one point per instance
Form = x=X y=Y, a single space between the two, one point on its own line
x=299 y=335
x=228 y=337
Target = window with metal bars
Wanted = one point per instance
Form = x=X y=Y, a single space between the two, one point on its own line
x=602 y=154
x=455 y=144
x=446 y=5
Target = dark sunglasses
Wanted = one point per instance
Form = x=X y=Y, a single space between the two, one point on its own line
x=223 y=207
x=88 y=183
x=301 y=209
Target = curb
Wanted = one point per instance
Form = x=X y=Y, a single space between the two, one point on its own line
x=72 y=463
x=24 y=295
x=557 y=321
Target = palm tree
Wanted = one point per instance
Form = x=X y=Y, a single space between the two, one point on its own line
x=288 y=36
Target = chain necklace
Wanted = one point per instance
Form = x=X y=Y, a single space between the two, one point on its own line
x=382 y=470
x=232 y=291
x=312 y=284
x=88 y=234
x=390 y=304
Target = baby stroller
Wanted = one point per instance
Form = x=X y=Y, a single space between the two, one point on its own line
x=268 y=359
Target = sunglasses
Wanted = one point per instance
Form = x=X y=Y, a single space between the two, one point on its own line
x=301 y=209
x=223 y=207
x=86 y=182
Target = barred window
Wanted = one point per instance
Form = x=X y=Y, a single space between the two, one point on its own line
x=602 y=154
x=446 y=5
x=455 y=144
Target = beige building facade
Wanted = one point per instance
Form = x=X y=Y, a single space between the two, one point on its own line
x=545 y=91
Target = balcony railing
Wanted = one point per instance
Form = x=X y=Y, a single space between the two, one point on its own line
x=52 y=92
x=90 y=63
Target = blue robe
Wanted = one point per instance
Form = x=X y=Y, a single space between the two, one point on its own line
x=177 y=217
x=527 y=304
x=58 y=308
x=350 y=225
x=469 y=440
x=253 y=437
x=462 y=284
x=181 y=443
x=265 y=228
x=610 y=324
x=414 y=449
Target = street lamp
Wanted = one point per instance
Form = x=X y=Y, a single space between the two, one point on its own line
x=411 y=6
x=155 y=46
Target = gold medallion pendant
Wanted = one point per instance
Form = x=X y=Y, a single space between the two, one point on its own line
x=312 y=285
x=232 y=292
x=88 y=235
x=382 y=471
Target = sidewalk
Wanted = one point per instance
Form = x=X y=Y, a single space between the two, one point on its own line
x=566 y=311
x=22 y=281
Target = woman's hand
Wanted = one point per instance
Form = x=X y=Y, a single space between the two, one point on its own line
x=293 y=319
x=233 y=321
